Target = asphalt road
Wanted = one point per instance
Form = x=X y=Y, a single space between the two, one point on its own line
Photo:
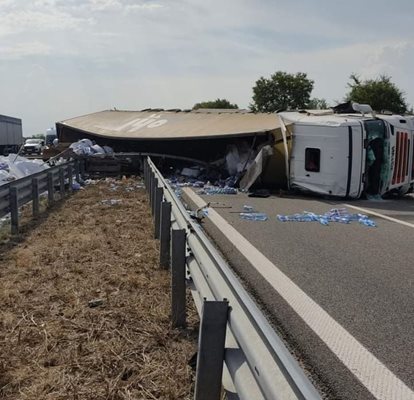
x=362 y=277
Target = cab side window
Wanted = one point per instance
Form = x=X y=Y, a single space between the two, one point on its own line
x=312 y=159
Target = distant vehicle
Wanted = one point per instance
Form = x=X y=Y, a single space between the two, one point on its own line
x=350 y=155
x=33 y=146
x=11 y=134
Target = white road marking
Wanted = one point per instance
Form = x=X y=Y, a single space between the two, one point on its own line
x=370 y=371
x=367 y=211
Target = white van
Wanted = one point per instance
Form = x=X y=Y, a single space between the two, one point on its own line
x=349 y=155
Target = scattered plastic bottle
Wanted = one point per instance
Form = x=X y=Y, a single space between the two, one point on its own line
x=367 y=222
x=343 y=220
x=198 y=184
x=302 y=217
x=323 y=221
x=337 y=212
x=247 y=208
x=253 y=216
x=311 y=216
x=217 y=190
x=340 y=215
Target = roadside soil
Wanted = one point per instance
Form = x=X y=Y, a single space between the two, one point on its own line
x=85 y=308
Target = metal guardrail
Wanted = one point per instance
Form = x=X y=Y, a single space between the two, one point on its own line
x=257 y=364
x=15 y=194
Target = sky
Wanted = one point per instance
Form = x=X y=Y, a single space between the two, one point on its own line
x=64 y=58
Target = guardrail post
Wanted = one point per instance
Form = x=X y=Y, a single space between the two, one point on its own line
x=50 y=188
x=35 y=196
x=151 y=193
x=146 y=175
x=145 y=169
x=157 y=211
x=210 y=357
x=77 y=171
x=165 y=234
x=70 y=177
x=154 y=191
x=14 y=210
x=62 y=182
x=149 y=172
x=178 y=296
x=151 y=187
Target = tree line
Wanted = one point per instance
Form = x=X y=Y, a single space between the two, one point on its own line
x=285 y=91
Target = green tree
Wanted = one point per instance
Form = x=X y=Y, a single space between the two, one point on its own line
x=381 y=94
x=281 y=91
x=317 y=104
x=218 y=103
x=39 y=136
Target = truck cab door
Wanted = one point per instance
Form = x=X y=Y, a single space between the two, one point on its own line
x=322 y=161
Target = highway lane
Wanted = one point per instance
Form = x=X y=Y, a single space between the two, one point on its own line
x=401 y=209
x=362 y=277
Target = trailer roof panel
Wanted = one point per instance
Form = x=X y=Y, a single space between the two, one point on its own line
x=162 y=125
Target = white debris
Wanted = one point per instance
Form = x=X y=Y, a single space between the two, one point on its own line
x=15 y=167
x=238 y=158
x=111 y=202
x=191 y=172
x=86 y=147
x=98 y=149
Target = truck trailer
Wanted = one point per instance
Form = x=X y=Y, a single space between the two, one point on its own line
x=349 y=155
x=11 y=134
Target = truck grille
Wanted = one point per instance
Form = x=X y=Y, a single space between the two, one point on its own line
x=401 y=158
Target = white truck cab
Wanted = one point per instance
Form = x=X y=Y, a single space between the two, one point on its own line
x=350 y=155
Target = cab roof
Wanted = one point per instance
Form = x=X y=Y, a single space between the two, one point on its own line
x=329 y=118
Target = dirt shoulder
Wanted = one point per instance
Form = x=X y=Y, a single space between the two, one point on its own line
x=53 y=344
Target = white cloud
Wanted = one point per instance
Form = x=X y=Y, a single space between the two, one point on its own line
x=141 y=7
x=34 y=21
x=22 y=50
x=6 y=3
x=105 y=5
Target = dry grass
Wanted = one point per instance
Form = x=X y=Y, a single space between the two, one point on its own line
x=53 y=345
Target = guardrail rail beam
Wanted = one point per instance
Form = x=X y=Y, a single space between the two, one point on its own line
x=257 y=362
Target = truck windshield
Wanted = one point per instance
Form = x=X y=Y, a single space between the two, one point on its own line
x=33 y=141
x=376 y=156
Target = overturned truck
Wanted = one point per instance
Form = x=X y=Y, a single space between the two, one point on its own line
x=350 y=154
x=322 y=152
